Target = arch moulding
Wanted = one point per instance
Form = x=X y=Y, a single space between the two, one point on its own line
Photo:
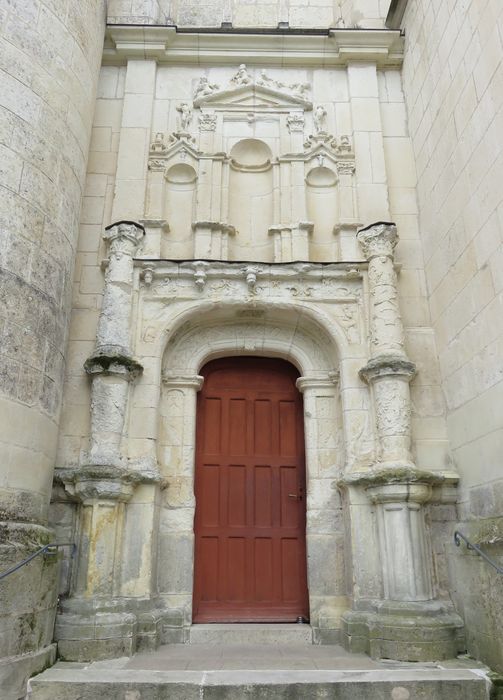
x=284 y=334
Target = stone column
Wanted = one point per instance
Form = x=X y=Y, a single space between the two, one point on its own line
x=112 y=366
x=96 y=622
x=389 y=371
x=407 y=624
x=46 y=125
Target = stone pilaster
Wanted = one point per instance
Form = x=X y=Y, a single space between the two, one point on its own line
x=178 y=437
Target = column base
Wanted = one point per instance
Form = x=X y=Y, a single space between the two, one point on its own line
x=404 y=631
x=93 y=631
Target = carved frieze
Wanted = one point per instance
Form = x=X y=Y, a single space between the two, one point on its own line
x=334 y=286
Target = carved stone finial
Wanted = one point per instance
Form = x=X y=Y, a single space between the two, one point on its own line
x=378 y=239
x=158 y=145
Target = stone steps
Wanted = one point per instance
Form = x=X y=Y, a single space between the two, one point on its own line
x=69 y=682
x=243 y=633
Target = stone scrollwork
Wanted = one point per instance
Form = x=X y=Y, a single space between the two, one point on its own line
x=156 y=164
x=346 y=167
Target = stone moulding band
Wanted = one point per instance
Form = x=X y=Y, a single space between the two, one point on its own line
x=388 y=475
x=333 y=47
x=386 y=366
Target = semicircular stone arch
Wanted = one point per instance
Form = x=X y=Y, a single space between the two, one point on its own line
x=312 y=353
x=303 y=342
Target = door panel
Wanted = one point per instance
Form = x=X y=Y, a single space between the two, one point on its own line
x=250 y=552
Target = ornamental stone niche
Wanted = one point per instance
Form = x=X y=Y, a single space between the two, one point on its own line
x=251 y=177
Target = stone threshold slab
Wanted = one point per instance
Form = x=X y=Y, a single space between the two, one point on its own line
x=242 y=633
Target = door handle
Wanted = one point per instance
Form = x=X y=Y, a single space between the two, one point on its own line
x=294 y=495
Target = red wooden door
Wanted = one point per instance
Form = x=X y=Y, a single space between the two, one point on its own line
x=250 y=549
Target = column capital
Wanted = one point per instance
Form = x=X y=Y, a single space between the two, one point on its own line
x=113 y=360
x=182 y=381
x=328 y=381
x=388 y=366
x=124 y=236
x=378 y=239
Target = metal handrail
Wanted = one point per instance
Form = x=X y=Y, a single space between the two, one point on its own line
x=48 y=549
x=458 y=536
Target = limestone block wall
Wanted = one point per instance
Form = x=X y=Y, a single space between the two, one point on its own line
x=453 y=81
x=138 y=12
x=50 y=54
x=250 y=13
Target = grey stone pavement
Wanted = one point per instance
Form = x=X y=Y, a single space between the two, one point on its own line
x=253 y=657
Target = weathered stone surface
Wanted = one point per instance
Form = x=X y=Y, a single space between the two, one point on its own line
x=252 y=685
x=232 y=162
x=48 y=76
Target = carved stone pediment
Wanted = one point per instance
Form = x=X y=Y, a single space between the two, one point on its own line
x=180 y=147
x=254 y=97
x=330 y=150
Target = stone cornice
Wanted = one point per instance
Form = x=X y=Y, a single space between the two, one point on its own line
x=336 y=47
